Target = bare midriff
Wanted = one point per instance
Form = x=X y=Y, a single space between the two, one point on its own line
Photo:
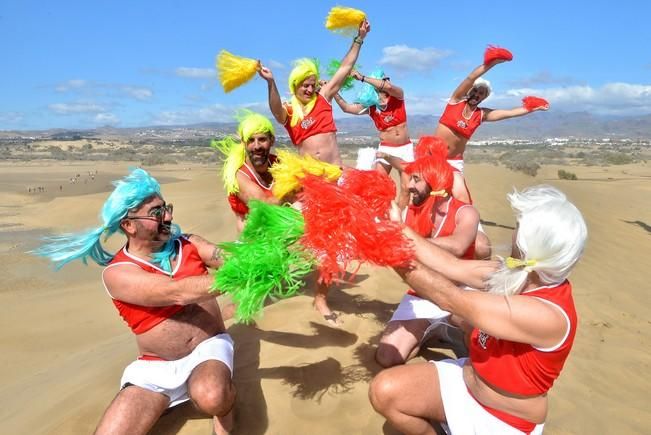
x=177 y=336
x=456 y=143
x=530 y=408
x=322 y=146
x=396 y=135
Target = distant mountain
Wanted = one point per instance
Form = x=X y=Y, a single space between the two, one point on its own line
x=539 y=125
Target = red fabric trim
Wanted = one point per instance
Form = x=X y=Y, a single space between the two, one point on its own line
x=516 y=422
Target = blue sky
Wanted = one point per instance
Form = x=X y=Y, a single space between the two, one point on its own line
x=83 y=64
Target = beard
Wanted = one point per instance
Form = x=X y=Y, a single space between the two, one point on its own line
x=258 y=157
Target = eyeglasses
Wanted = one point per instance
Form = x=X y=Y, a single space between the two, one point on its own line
x=155 y=213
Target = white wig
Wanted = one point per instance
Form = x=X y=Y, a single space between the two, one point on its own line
x=551 y=237
x=483 y=83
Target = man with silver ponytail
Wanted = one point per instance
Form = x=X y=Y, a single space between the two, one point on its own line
x=520 y=330
x=160 y=284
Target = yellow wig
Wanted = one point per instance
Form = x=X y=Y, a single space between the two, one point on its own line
x=233 y=71
x=234 y=151
x=290 y=169
x=344 y=20
x=303 y=68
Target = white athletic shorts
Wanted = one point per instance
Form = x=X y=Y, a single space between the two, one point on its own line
x=413 y=307
x=463 y=413
x=404 y=152
x=457 y=164
x=170 y=377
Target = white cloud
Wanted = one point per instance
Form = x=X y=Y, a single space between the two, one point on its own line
x=11 y=117
x=70 y=85
x=404 y=58
x=74 y=108
x=106 y=119
x=274 y=64
x=195 y=73
x=611 y=98
x=141 y=94
x=212 y=113
x=543 y=78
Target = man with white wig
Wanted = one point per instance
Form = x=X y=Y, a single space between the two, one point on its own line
x=461 y=117
x=521 y=329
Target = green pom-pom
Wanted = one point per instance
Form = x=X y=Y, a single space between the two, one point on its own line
x=277 y=222
x=333 y=66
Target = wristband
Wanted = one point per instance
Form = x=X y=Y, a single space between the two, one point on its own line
x=358 y=40
x=363 y=78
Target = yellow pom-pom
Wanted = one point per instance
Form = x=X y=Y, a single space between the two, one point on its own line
x=344 y=20
x=290 y=169
x=233 y=71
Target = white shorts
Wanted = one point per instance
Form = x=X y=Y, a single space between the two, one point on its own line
x=170 y=377
x=457 y=164
x=404 y=152
x=413 y=307
x=463 y=413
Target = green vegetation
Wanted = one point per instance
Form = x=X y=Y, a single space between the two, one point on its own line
x=565 y=175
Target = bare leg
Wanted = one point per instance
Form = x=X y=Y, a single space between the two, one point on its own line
x=482 y=246
x=133 y=411
x=408 y=397
x=321 y=304
x=400 y=341
x=211 y=390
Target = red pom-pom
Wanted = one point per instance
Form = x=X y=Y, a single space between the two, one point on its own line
x=237 y=205
x=496 y=53
x=431 y=146
x=375 y=188
x=531 y=103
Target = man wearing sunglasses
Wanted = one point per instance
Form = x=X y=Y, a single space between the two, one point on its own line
x=160 y=284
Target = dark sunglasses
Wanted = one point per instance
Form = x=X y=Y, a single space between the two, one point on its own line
x=156 y=213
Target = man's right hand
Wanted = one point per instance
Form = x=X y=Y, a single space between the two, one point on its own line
x=364 y=28
x=265 y=73
x=356 y=74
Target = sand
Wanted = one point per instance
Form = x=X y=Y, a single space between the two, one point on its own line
x=64 y=346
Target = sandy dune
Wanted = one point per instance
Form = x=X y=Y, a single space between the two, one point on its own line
x=64 y=346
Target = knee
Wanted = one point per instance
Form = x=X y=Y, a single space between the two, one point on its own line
x=214 y=399
x=482 y=246
x=381 y=392
x=387 y=356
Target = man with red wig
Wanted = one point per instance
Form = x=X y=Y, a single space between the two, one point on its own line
x=446 y=222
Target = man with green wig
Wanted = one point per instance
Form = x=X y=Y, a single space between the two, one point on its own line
x=308 y=116
x=160 y=285
x=246 y=164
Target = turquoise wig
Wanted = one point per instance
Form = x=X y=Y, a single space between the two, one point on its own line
x=130 y=192
x=368 y=95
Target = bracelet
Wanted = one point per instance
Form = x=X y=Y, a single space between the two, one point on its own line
x=358 y=40
x=363 y=78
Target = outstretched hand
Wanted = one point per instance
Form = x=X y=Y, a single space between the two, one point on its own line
x=265 y=72
x=364 y=28
x=356 y=74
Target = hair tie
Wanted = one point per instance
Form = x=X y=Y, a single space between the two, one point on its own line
x=514 y=263
x=442 y=193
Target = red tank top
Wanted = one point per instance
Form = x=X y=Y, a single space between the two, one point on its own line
x=453 y=119
x=319 y=120
x=140 y=318
x=393 y=115
x=238 y=206
x=520 y=368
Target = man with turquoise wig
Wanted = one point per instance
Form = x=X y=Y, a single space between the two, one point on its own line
x=160 y=284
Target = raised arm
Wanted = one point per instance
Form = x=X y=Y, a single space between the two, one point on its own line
x=129 y=283
x=275 y=104
x=352 y=108
x=383 y=85
x=500 y=114
x=467 y=83
x=517 y=318
x=330 y=89
x=464 y=233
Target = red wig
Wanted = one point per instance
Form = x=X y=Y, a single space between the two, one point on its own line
x=435 y=170
x=431 y=146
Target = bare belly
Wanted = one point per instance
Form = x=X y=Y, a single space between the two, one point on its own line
x=530 y=408
x=456 y=143
x=322 y=146
x=397 y=135
x=177 y=336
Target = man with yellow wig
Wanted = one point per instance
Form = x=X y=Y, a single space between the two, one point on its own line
x=247 y=161
x=308 y=116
